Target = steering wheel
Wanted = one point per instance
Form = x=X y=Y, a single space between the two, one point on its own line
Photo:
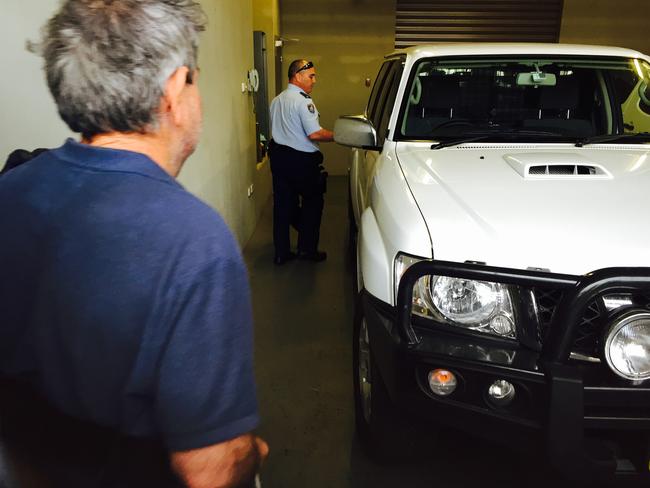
x=454 y=123
x=416 y=91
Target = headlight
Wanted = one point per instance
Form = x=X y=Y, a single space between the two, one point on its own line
x=627 y=346
x=483 y=306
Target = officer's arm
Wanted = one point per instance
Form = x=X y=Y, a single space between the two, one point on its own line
x=228 y=464
x=322 y=135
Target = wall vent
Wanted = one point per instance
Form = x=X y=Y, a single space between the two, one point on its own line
x=422 y=21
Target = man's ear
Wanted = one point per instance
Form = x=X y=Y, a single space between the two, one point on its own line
x=172 y=94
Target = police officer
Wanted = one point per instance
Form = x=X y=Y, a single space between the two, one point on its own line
x=296 y=165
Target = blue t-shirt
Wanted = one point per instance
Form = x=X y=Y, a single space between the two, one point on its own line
x=124 y=299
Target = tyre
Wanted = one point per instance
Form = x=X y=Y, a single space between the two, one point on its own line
x=384 y=434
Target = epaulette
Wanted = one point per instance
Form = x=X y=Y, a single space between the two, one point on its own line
x=304 y=94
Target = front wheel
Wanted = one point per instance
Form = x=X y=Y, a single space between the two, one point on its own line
x=384 y=434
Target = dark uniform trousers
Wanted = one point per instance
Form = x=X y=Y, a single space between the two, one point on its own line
x=297 y=175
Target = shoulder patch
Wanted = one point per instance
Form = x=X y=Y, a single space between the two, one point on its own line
x=304 y=94
x=311 y=108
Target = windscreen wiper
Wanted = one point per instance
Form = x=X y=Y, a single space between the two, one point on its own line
x=612 y=137
x=455 y=142
x=489 y=134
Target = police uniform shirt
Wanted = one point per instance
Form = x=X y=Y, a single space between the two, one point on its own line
x=293 y=118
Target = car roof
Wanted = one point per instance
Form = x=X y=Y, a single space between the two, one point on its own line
x=514 y=48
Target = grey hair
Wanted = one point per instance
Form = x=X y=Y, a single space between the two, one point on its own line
x=107 y=61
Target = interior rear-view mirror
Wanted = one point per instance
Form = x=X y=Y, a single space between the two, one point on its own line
x=536 y=78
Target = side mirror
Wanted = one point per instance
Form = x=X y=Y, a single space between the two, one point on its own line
x=355 y=131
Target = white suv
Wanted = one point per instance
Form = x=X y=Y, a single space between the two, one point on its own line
x=501 y=194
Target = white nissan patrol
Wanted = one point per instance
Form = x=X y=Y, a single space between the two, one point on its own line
x=501 y=194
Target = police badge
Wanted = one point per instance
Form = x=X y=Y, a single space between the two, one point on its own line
x=311 y=108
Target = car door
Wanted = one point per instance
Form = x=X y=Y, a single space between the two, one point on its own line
x=379 y=110
x=358 y=175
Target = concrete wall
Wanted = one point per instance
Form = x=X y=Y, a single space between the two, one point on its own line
x=266 y=18
x=29 y=118
x=224 y=165
x=621 y=23
x=346 y=39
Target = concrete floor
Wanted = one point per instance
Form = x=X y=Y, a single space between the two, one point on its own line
x=303 y=326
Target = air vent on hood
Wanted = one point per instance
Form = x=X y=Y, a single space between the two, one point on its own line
x=538 y=165
x=564 y=169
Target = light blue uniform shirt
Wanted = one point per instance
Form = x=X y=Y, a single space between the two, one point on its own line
x=293 y=118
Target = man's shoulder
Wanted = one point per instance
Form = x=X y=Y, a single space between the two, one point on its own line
x=294 y=94
x=191 y=215
x=138 y=198
x=181 y=228
x=301 y=97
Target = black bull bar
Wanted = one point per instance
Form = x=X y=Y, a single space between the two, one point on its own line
x=566 y=446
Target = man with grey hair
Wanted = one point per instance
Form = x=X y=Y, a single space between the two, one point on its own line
x=125 y=317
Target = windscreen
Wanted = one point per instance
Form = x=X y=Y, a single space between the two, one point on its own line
x=533 y=97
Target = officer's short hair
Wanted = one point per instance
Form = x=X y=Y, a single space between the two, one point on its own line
x=297 y=65
x=107 y=61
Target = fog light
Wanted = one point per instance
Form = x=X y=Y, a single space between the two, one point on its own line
x=627 y=346
x=501 y=392
x=442 y=382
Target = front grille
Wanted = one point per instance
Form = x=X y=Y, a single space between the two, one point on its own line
x=547 y=301
x=589 y=332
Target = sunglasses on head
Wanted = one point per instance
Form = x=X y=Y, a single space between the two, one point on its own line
x=308 y=65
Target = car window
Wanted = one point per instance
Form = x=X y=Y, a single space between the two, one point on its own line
x=633 y=93
x=388 y=100
x=376 y=89
x=382 y=94
x=563 y=97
